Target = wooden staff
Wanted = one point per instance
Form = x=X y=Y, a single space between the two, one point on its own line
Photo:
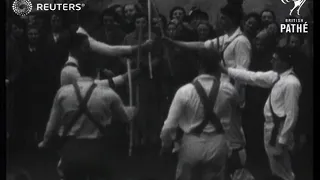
x=130 y=103
x=162 y=35
x=149 y=33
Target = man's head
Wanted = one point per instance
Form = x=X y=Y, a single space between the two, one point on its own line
x=33 y=35
x=141 y=20
x=130 y=10
x=56 y=22
x=267 y=17
x=252 y=23
x=171 y=30
x=79 y=45
x=231 y=16
x=177 y=13
x=204 y=30
x=196 y=16
x=209 y=62
x=295 y=41
x=108 y=19
x=17 y=28
x=79 y=49
x=283 y=59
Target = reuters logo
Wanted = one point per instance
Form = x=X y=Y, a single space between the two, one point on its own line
x=22 y=7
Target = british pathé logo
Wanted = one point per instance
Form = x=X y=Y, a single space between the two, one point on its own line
x=294 y=25
x=297 y=4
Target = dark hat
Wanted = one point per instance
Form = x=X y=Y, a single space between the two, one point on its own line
x=232 y=10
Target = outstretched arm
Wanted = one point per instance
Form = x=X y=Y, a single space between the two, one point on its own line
x=186 y=45
x=261 y=79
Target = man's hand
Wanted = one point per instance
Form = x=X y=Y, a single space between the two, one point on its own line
x=147 y=45
x=223 y=69
x=131 y=112
x=279 y=149
x=108 y=73
x=42 y=145
x=82 y=31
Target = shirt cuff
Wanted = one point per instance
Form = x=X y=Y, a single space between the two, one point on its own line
x=208 y=44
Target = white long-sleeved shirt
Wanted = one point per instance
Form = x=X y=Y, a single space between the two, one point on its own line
x=237 y=54
x=70 y=74
x=187 y=112
x=285 y=93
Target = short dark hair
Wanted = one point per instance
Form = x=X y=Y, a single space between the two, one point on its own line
x=287 y=54
x=209 y=61
x=107 y=12
x=255 y=16
x=76 y=41
x=270 y=11
x=234 y=12
x=176 y=8
x=199 y=13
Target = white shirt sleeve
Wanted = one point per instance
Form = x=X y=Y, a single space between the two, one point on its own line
x=118 y=81
x=261 y=79
x=242 y=53
x=172 y=121
x=108 y=50
x=291 y=100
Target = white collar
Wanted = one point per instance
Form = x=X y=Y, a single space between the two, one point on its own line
x=287 y=72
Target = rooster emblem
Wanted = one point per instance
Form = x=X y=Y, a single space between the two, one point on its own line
x=297 y=4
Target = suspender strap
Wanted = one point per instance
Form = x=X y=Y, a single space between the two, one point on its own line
x=112 y=85
x=208 y=103
x=71 y=64
x=79 y=112
x=83 y=108
x=222 y=52
x=225 y=47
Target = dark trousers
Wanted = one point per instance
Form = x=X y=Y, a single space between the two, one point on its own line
x=85 y=158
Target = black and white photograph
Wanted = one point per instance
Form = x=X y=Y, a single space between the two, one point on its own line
x=159 y=89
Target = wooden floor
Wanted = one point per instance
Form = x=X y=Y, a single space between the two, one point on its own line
x=42 y=166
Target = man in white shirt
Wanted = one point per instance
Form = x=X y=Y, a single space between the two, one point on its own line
x=70 y=71
x=203 y=152
x=81 y=112
x=281 y=108
x=235 y=49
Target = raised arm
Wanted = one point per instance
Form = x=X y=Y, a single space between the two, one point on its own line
x=291 y=100
x=261 y=79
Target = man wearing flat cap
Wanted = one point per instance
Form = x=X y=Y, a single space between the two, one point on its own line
x=280 y=110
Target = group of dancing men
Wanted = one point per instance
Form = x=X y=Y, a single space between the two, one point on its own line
x=204 y=121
